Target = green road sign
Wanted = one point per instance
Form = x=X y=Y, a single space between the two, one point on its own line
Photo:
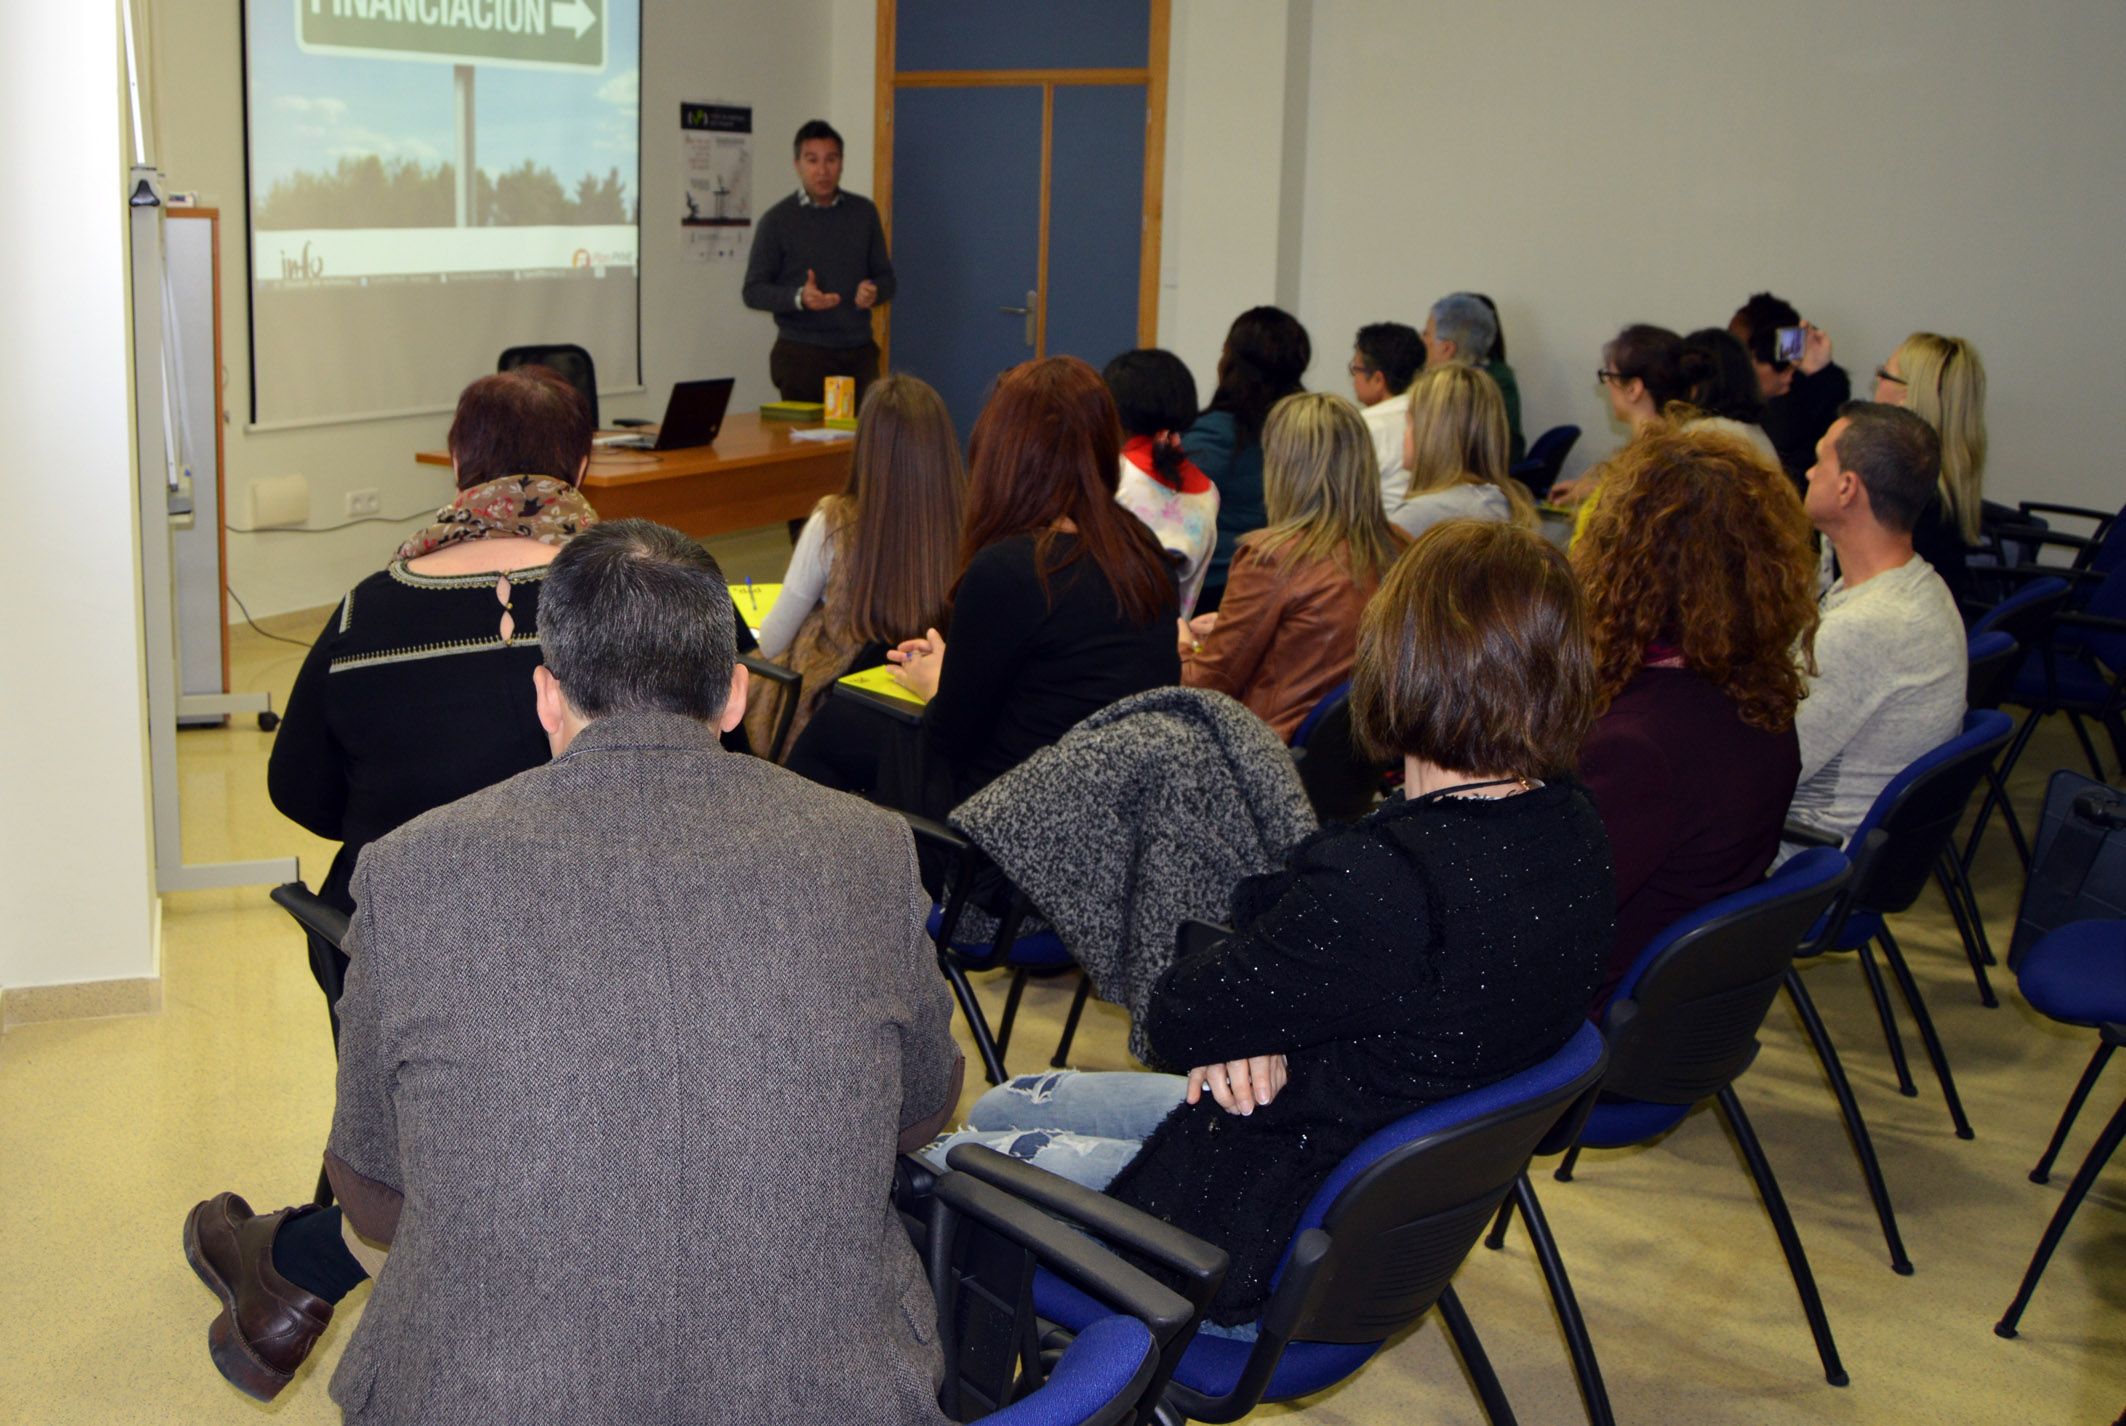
x=524 y=34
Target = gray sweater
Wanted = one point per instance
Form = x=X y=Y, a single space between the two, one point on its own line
x=841 y=245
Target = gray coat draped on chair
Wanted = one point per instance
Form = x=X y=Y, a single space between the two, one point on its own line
x=1142 y=816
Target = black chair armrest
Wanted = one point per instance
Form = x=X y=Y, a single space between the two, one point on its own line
x=1193 y=936
x=1199 y=1265
x=312 y=914
x=2078 y=620
x=1809 y=836
x=2065 y=573
x=929 y=831
x=788 y=681
x=2046 y=507
x=2039 y=535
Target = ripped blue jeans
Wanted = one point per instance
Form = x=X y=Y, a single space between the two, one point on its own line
x=1083 y=1127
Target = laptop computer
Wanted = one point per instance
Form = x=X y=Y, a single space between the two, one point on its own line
x=692 y=417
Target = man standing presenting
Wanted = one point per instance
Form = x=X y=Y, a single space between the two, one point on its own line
x=819 y=263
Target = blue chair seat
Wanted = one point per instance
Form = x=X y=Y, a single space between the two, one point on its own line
x=1620 y=1123
x=1035 y=950
x=1212 y=1365
x=2077 y=974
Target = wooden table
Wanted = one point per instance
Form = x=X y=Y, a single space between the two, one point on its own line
x=754 y=475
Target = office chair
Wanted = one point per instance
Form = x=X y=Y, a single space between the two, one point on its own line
x=2027 y=617
x=1682 y=1027
x=572 y=363
x=789 y=687
x=1375 y=1249
x=1341 y=782
x=1538 y=470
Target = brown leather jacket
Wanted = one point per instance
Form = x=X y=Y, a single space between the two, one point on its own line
x=1286 y=634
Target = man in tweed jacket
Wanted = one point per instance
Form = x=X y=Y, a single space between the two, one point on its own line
x=627 y=1047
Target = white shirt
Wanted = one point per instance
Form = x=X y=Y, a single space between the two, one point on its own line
x=1386 y=419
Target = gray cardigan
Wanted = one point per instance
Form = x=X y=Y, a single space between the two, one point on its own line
x=634 y=1035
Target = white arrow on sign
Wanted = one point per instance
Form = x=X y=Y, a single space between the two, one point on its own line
x=574 y=14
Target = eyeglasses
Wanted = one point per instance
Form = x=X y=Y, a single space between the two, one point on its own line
x=1885 y=374
x=1359 y=368
x=1606 y=377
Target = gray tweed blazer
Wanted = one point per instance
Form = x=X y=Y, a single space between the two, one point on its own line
x=634 y=1034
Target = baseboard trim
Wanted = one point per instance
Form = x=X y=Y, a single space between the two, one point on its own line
x=83 y=1000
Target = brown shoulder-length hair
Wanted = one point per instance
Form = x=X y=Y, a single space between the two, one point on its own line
x=1700 y=547
x=895 y=527
x=529 y=421
x=1474 y=655
x=1048 y=448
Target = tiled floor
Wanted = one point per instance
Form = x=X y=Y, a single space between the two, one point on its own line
x=110 y=1129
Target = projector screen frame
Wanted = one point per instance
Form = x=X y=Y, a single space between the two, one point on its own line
x=295 y=423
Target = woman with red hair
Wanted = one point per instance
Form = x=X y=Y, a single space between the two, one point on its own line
x=1064 y=603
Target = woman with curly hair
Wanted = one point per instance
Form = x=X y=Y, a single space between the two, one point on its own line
x=1701 y=602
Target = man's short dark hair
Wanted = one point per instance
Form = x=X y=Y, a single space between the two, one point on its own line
x=636 y=618
x=1757 y=323
x=1393 y=349
x=1897 y=457
x=815 y=129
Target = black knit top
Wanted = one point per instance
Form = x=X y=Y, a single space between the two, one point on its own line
x=410 y=698
x=1433 y=948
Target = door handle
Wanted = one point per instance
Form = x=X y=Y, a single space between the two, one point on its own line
x=1033 y=300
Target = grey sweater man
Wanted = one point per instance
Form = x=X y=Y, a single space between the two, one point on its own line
x=841 y=243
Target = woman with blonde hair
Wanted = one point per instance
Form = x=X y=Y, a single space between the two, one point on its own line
x=1941 y=381
x=1288 y=628
x=873 y=564
x=1701 y=604
x=1454 y=446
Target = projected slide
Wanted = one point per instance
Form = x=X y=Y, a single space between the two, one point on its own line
x=430 y=182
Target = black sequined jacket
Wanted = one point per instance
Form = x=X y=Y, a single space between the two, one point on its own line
x=1433 y=948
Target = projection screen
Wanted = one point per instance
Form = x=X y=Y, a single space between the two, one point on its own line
x=431 y=181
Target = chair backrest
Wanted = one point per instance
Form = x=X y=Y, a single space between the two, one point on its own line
x=1340 y=780
x=1683 y=1022
x=1382 y=1237
x=1539 y=469
x=1918 y=811
x=572 y=362
x=2025 y=616
x=1995 y=658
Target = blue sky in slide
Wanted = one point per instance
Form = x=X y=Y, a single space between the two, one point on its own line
x=310 y=110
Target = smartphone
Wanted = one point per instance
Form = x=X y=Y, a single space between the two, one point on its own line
x=1788 y=342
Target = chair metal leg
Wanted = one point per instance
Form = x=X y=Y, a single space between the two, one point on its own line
x=2012 y=822
x=1011 y=1011
x=977 y=1022
x=1856 y=1128
x=1070 y=1022
x=2099 y=1154
x=1997 y=792
x=1917 y=1003
x=1963 y=909
x=1584 y=1366
x=1797 y=1261
x=1564 y=1172
x=2081 y=732
x=323 y=1197
x=2043 y=1172
x=1883 y=1012
x=1462 y=1333
x=1496 y=1238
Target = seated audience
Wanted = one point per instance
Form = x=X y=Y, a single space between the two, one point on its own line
x=1641 y=372
x=1802 y=398
x=872 y=564
x=392 y=713
x=1064 y=604
x=1720 y=388
x=1266 y=353
x=566 y=1090
x=1385 y=359
x=1455 y=447
x=1286 y=634
x=1446 y=941
x=1463 y=328
x=1701 y=591
x=1890 y=654
x=1156 y=398
x=1500 y=372
x=1941 y=381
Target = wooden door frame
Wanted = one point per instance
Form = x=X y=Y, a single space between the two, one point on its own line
x=887 y=82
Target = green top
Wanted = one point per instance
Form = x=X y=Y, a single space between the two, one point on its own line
x=1511 y=390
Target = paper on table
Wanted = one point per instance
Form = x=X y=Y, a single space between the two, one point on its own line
x=754 y=601
x=822 y=434
x=880 y=680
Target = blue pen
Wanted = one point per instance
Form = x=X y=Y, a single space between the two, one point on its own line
x=751 y=603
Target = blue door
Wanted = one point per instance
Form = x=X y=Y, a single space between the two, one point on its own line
x=1018 y=195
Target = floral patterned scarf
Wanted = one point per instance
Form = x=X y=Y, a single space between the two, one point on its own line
x=525 y=507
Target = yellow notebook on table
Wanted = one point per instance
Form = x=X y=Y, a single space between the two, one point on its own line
x=880 y=681
x=792 y=410
x=754 y=601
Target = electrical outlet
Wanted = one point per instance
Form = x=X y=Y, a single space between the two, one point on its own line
x=365 y=502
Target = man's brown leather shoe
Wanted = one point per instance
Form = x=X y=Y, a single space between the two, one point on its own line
x=267 y=1324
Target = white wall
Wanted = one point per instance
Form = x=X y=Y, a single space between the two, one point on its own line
x=76 y=899
x=1952 y=165
x=772 y=54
